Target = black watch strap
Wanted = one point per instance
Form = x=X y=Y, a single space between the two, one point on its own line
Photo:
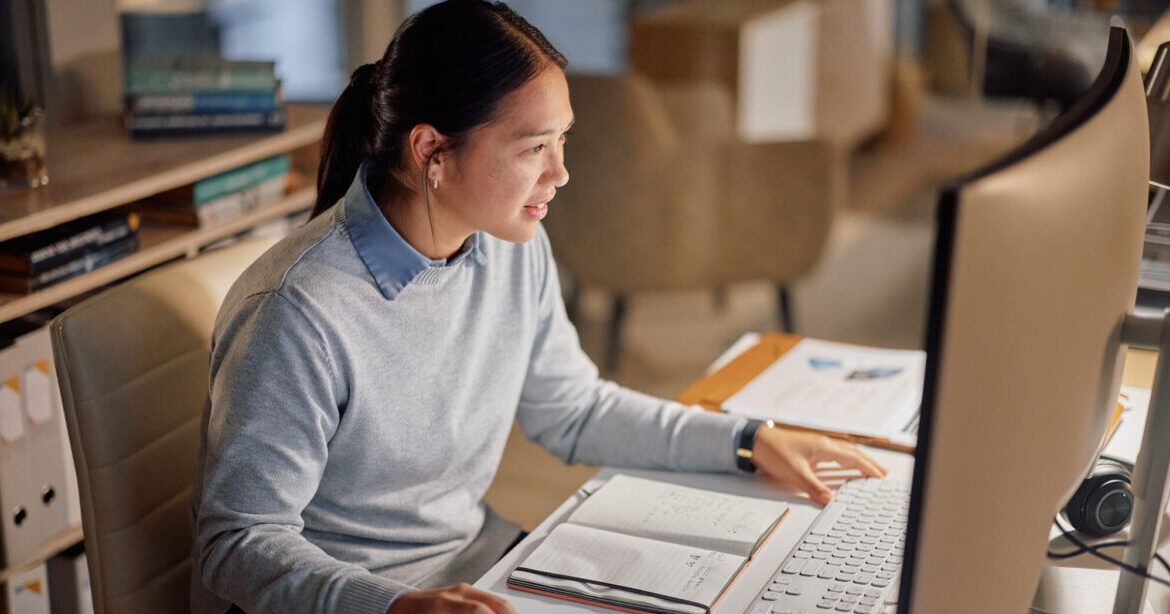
x=747 y=441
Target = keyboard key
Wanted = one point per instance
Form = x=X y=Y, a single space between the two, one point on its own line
x=867 y=600
x=881 y=582
x=826 y=605
x=813 y=539
x=770 y=596
x=847 y=598
x=821 y=555
x=854 y=590
x=762 y=608
x=886 y=575
x=836 y=587
x=873 y=592
x=781 y=609
x=863 y=609
x=863 y=578
x=794 y=589
x=869 y=568
x=811 y=568
x=890 y=567
x=793 y=566
x=782 y=581
x=845 y=607
x=800 y=555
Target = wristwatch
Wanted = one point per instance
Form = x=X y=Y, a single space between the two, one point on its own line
x=747 y=442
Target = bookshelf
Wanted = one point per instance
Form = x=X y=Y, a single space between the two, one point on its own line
x=94 y=167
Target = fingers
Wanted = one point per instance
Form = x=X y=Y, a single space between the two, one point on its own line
x=456 y=599
x=494 y=603
x=850 y=456
x=807 y=481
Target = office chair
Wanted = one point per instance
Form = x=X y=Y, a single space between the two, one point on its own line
x=663 y=195
x=133 y=367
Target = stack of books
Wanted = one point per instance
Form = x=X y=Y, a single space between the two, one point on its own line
x=219 y=199
x=39 y=260
x=202 y=95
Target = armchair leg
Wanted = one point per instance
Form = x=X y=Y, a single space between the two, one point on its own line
x=784 y=302
x=613 y=347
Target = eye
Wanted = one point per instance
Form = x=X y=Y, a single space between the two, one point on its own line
x=537 y=149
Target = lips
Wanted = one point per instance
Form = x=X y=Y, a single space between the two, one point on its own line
x=541 y=202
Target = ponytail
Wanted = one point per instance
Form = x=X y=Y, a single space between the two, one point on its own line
x=345 y=142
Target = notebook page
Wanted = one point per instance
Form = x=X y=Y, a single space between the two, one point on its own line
x=615 y=560
x=688 y=516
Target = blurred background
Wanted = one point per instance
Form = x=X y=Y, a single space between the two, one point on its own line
x=737 y=165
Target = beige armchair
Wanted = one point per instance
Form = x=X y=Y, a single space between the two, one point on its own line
x=133 y=367
x=663 y=195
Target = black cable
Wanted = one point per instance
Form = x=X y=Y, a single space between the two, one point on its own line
x=1086 y=548
x=1161 y=560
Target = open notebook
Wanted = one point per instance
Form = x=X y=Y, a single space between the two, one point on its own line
x=647 y=546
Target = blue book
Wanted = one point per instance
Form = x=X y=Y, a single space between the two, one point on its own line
x=209 y=101
x=174 y=124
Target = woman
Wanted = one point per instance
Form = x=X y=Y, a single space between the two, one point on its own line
x=366 y=371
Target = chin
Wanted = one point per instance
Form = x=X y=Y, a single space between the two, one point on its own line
x=521 y=233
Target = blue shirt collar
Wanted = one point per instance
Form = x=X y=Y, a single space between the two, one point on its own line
x=392 y=261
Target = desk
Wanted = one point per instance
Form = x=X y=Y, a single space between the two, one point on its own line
x=1139 y=372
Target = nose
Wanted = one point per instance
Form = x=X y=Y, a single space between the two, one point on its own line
x=558 y=174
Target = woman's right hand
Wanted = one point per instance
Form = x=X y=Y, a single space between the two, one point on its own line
x=459 y=598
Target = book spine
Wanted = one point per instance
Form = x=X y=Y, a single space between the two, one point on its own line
x=203 y=102
x=231 y=206
x=84 y=264
x=223 y=184
x=180 y=79
x=202 y=123
x=54 y=254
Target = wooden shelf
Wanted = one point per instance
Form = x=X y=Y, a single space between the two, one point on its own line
x=52 y=547
x=94 y=166
x=157 y=244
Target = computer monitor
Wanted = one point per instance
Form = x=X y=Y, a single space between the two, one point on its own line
x=1036 y=265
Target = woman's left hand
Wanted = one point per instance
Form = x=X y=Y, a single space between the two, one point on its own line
x=791 y=457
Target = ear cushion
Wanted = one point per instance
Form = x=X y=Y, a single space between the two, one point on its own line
x=1103 y=504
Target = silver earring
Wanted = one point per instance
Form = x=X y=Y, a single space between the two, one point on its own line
x=435 y=184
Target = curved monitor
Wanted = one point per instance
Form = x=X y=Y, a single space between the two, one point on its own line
x=1036 y=265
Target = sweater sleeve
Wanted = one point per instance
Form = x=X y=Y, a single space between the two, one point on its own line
x=275 y=402
x=566 y=408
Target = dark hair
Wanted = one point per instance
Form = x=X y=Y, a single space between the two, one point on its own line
x=449 y=66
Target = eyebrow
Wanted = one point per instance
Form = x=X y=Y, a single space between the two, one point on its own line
x=529 y=135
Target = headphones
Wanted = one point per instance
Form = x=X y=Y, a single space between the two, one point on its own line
x=1103 y=504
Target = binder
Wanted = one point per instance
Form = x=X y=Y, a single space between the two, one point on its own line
x=27 y=592
x=57 y=507
x=19 y=537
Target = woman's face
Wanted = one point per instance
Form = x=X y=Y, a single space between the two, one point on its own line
x=503 y=178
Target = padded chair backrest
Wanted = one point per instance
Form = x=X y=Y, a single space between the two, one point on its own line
x=133 y=367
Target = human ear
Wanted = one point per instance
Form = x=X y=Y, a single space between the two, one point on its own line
x=426 y=148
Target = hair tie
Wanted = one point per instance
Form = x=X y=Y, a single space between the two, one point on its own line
x=364 y=76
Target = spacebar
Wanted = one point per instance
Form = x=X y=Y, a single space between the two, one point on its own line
x=827 y=518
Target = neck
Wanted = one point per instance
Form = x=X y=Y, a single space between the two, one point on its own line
x=431 y=236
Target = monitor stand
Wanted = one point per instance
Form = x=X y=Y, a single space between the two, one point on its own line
x=1150 y=482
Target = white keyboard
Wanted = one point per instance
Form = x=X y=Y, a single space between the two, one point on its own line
x=849 y=560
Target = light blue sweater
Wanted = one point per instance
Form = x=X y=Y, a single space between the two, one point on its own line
x=361 y=397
